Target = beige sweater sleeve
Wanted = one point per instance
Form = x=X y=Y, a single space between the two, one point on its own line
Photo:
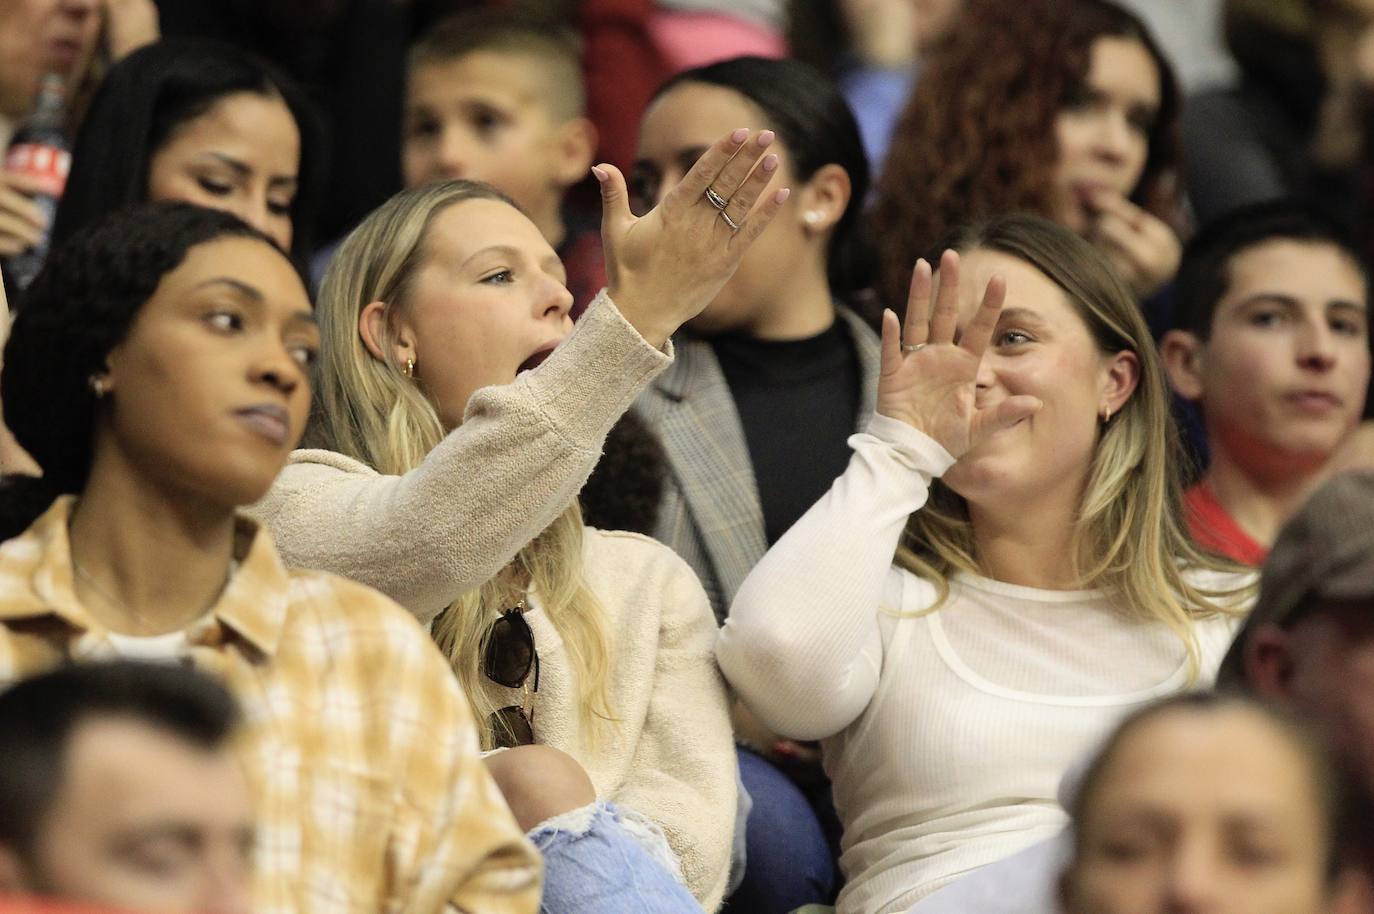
x=521 y=455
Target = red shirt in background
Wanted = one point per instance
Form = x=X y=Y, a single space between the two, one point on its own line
x=1216 y=531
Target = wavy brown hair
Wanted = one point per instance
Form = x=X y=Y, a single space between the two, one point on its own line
x=977 y=137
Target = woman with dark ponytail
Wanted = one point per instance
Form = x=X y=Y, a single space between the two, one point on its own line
x=770 y=378
x=158 y=373
x=769 y=383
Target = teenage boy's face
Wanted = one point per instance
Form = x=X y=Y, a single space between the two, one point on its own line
x=485 y=117
x=1286 y=369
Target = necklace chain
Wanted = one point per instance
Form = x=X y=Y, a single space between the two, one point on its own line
x=139 y=618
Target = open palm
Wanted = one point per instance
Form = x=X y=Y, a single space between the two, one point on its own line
x=665 y=267
x=929 y=379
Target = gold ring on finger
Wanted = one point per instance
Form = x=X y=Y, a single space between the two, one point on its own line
x=913 y=347
x=716 y=199
x=734 y=226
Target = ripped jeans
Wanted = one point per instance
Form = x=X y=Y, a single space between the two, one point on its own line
x=600 y=860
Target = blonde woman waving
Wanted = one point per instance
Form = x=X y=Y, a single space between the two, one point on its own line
x=459 y=413
x=998 y=576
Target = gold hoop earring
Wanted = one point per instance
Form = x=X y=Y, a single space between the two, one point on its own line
x=409 y=370
x=1106 y=414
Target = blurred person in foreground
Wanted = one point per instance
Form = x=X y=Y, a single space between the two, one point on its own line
x=120 y=788
x=1216 y=804
x=1309 y=644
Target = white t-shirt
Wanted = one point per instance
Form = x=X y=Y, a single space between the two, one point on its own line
x=946 y=733
x=170 y=647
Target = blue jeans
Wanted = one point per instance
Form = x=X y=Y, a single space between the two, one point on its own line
x=595 y=863
x=788 y=862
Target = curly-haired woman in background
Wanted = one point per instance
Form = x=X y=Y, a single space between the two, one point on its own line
x=1063 y=109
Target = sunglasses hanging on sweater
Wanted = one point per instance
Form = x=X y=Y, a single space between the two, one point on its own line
x=508 y=660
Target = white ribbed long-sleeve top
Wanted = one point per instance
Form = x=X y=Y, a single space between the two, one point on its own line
x=945 y=733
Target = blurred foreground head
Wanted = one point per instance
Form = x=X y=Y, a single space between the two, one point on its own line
x=119 y=788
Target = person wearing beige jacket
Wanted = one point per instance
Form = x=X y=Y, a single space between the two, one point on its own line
x=459 y=414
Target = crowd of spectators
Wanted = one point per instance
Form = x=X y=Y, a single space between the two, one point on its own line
x=772 y=457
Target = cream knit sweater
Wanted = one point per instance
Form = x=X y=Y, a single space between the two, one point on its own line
x=520 y=457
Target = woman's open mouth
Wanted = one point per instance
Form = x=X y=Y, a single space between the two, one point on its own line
x=537 y=359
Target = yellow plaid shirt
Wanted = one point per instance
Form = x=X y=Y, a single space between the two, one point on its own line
x=358 y=743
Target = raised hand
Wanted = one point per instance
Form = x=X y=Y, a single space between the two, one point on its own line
x=1142 y=247
x=666 y=266
x=928 y=379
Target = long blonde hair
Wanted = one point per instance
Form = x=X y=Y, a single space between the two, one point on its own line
x=370 y=410
x=1130 y=539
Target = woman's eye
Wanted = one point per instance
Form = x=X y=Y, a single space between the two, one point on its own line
x=1254 y=856
x=1079 y=98
x=1121 y=851
x=500 y=277
x=279 y=207
x=227 y=321
x=1012 y=338
x=217 y=188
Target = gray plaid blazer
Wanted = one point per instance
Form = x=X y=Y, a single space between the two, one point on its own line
x=710 y=513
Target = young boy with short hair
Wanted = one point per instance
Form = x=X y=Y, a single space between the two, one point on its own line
x=1272 y=343
x=497 y=96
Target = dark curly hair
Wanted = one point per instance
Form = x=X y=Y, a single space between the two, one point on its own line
x=78 y=308
x=978 y=137
x=148 y=95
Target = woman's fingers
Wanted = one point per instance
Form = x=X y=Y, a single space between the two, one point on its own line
x=944 y=317
x=17 y=234
x=917 y=327
x=706 y=169
x=979 y=330
x=16 y=193
x=891 y=353
x=1117 y=205
x=615 y=197
x=733 y=175
x=764 y=214
x=742 y=201
x=1007 y=413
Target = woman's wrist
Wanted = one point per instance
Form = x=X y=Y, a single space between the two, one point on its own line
x=647 y=323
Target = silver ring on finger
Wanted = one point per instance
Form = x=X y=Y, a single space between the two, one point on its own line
x=716 y=199
x=913 y=347
x=734 y=226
